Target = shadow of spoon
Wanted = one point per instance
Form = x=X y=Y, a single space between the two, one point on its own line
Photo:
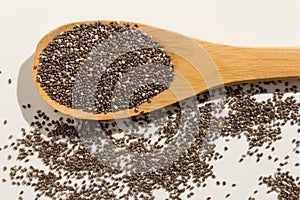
x=28 y=94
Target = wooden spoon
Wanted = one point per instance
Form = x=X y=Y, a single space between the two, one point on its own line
x=199 y=66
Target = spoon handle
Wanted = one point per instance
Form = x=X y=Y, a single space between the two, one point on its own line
x=242 y=64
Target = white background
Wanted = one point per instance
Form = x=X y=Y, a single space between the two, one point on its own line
x=237 y=22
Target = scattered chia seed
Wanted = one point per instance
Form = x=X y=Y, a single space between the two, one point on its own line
x=284 y=184
x=77 y=172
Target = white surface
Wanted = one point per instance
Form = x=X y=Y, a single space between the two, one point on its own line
x=23 y=23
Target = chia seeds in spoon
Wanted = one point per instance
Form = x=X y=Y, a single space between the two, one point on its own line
x=102 y=68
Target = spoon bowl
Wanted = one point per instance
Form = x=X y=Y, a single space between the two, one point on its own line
x=198 y=65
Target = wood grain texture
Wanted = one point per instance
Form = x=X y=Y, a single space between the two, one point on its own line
x=199 y=66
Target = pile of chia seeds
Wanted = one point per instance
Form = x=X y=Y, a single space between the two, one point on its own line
x=101 y=68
